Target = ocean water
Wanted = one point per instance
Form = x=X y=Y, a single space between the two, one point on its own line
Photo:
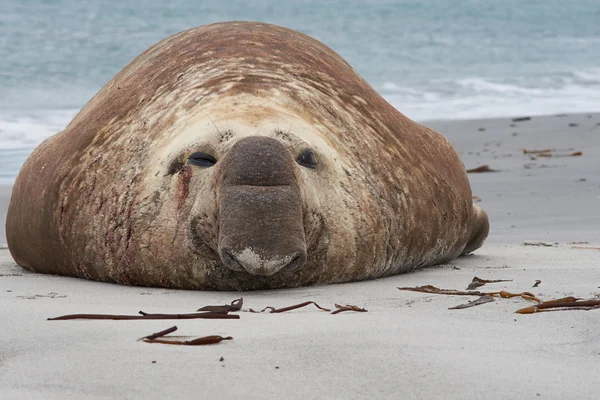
x=431 y=59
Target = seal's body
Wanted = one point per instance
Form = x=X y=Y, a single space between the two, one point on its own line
x=241 y=156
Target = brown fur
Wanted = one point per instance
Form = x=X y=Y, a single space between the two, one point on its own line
x=111 y=198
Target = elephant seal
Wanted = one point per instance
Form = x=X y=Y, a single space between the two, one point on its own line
x=240 y=156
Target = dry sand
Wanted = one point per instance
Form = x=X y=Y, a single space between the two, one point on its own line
x=408 y=346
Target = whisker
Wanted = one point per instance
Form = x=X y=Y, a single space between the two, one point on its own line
x=215 y=125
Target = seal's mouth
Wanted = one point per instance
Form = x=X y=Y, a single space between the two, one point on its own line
x=261 y=229
x=251 y=263
x=199 y=232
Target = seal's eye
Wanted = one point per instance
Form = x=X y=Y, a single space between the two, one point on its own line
x=202 y=160
x=307 y=159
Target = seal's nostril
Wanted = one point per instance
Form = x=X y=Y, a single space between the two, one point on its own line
x=230 y=261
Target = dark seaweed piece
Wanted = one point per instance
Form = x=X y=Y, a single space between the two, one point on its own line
x=235 y=305
x=575 y=154
x=482 y=300
x=348 y=307
x=434 y=290
x=477 y=282
x=194 y=342
x=146 y=316
x=273 y=310
x=159 y=334
x=526 y=151
x=483 y=168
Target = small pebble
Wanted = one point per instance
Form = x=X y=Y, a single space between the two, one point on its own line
x=221 y=359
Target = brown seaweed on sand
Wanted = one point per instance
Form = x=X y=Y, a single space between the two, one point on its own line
x=483 y=168
x=477 y=282
x=146 y=316
x=566 y=303
x=504 y=294
x=551 y=153
x=528 y=151
x=339 y=308
x=236 y=305
x=273 y=310
x=574 y=154
x=348 y=307
x=563 y=304
x=194 y=342
x=482 y=300
x=159 y=334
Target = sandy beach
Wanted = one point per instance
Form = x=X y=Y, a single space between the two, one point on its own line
x=407 y=346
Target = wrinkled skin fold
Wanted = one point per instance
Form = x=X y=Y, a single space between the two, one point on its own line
x=239 y=156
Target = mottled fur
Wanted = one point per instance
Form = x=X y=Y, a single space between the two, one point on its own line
x=111 y=197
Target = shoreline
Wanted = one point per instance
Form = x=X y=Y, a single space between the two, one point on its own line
x=509 y=117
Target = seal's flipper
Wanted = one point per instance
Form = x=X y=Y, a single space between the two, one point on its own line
x=481 y=228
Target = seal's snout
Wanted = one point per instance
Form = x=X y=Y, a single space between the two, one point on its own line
x=260 y=218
